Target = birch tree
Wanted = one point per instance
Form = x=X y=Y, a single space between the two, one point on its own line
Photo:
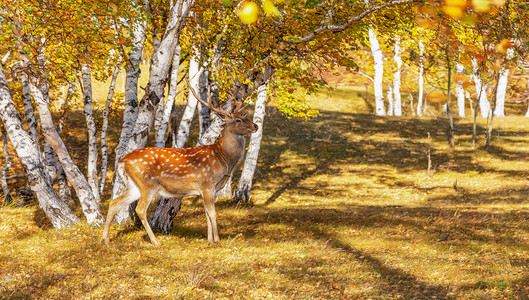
x=169 y=105
x=397 y=105
x=88 y=202
x=92 y=178
x=245 y=182
x=503 y=80
x=195 y=72
x=420 y=79
x=460 y=91
x=378 y=62
x=54 y=208
x=161 y=62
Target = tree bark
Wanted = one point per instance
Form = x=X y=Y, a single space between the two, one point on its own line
x=460 y=92
x=250 y=163
x=378 y=61
x=169 y=105
x=161 y=62
x=501 y=91
x=56 y=210
x=195 y=72
x=397 y=103
x=93 y=181
x=130 y=113
x=5 y=187
x=163 y=217
x=421 y=80
x=481 y=89
x=89 y=204
x=391 y=103
x=104 y=129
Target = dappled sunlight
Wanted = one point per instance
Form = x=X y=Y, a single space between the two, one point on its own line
x=341 y=207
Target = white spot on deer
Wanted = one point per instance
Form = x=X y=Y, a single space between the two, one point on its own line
x=214 y=161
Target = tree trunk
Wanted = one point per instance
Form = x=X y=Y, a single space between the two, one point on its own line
x=169 y=106
x=163 y=217
x=195 y=72
x=89 y=204
x=93 y=181
x=378 y=61
x=421 y=80
x=104 y=129
x=203 y=111
x=460 y=92
x=5 y=188
x=50 y=164
x=390 y=100
x=29 y=115
x=248 y=171
x=130 y=113
x=481 y=89
x=62 y=182
x=56 y=210
x=397 y=105
x=161 y=62
x=451 y=129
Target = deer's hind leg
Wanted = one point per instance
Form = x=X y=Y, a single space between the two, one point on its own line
x=130 y=195
x=141 y=210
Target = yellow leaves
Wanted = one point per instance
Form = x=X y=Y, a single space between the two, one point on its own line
x=503 y=46
x=113 y=7
x=426 y=23
x=453 y=11
x=436 y=97
x=455 y=8
x=248 y=12
x=270 y=9
x=481 y=6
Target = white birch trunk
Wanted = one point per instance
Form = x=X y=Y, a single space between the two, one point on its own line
x=397 y=105
x=168 y=108
x=89 y=204
x=481 y=90
x=420 y=98
x=93 y=181
x=29 y=115
x=130 y=113
x=460 y=92
x=203 y=111
x=378 y=61
x=499 y=110
x=161 y=62
x=501 y=92
x=62 y=183
x=104 y=129
x=56 y=210
x=5 y=187
x=185 y=123
x=390 y=100
x=250 y=163
x=50 y=165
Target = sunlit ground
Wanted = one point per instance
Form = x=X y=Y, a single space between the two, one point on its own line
x=342 y=208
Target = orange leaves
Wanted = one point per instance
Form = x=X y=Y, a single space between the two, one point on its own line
x=503 y=46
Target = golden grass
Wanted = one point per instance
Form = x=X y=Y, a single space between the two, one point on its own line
x=342 y=209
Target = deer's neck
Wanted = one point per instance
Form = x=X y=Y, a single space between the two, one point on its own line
x=231 y=149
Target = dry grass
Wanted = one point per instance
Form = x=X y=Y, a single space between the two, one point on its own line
x=342 y=208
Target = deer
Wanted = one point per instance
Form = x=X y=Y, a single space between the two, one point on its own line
x=177 y=172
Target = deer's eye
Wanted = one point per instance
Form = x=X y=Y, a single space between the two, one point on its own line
x=238 y=120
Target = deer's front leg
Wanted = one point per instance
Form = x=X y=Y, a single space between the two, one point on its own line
x=211 y=216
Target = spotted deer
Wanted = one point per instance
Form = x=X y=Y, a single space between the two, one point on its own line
x=171 y=172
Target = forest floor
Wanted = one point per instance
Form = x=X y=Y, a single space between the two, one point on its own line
x=342 y=208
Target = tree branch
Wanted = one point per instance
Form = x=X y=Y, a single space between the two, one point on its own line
x=342 y=27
